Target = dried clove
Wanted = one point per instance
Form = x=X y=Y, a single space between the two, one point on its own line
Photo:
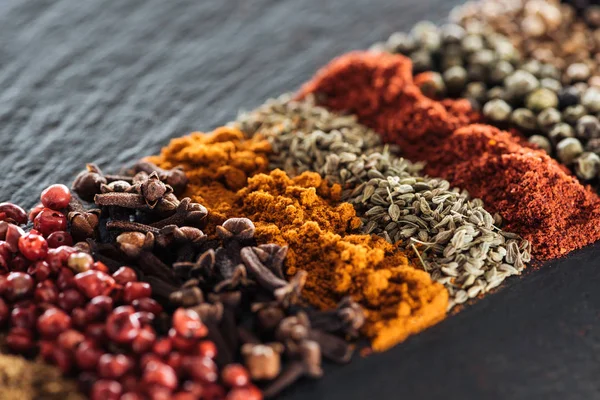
x=176 y=177
x=257 y=270
x=186 y=214
x=262 y=360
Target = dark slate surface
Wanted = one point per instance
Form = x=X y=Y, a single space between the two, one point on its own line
x=109 y=81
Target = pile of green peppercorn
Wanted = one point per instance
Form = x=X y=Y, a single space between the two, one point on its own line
x=557 y=110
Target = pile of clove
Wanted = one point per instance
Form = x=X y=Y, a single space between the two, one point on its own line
x=236 y=286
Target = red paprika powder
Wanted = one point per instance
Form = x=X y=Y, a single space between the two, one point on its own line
x=536 y=196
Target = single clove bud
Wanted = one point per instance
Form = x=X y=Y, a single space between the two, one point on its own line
x=87 y=184
x=238 y=228
x=186 y=214
x=264 y=277
x=176 y=177
x=309 y=365
x=134 y=243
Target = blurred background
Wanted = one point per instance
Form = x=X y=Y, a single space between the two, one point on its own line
x=110 y=81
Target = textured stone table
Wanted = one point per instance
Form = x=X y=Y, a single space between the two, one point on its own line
x=109 y=81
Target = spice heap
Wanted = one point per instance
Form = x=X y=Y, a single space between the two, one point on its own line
x=305 y=214
x=461 y=247
x=541 y=78
x=233 y=284
x=21 y=379
x=97 y=320
x=532 y=193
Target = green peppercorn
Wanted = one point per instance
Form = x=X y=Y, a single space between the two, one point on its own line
x=560 y=131
x=578 y=72
x=497 y=92
x=541 y=142
x=422 y=61
x=472 y=43
x=455 y=79
x=484 y=58
x=477 y=72
x=593 y=145
x=533 y=67
x=500 y=71
x=475 y=91
x=551 y=84
x=497 y=110
x=540 y=99
x=520 y=83
x=591 y=99
x=549 y=71
x=430 y=41
x=524 y=119
x=434 y=87
x=400 y=42
x=587 y=166
x=449 y=61
x=548 y=118
x=572 y=114
x=588 y=127
x=506 y=51
x=567 y=150
x=452 y=33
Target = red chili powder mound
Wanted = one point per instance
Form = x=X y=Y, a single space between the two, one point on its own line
x=536 y=196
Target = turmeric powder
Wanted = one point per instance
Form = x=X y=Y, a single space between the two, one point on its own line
x=306 y=214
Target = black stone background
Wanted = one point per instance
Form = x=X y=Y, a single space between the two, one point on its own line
x=110 y=81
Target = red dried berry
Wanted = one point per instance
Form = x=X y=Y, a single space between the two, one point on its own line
x=162 y=347
x=56 y=197
x=23 y=316
x=183 y=396
x=57 y=258
x=136 y=290
x=40 y=271
x=70 y=339
x=4 y=312
x=201 y=369
x=148 y=305
x=114 y=366
x=78 y=318
x=65 y=279
x=49 y=221
x=106 y=390
x=206 y=348
x=94 y=283
x=19 y=340
x=98 y=308
x=122 y=325
x=70 y=299
x=59 y=238
x=249 y=392
x=12 y=236
x=235 y=375
x=175 y=361
x=144 y=340
x=33 y=246
x=52 y=322
x=46 y=292
x=131 y=396
x=187 y=324
x=96 y=331
x=180 y=343
x=35 y=211
x=130 y=382
x=5 y=256
x=12 y=213
x=87 y=355
x=100 y=266
x=124 y=275
x=19 y=263
x=160 y=374
x=62 y=359
x=146 y=318
x=19 y=285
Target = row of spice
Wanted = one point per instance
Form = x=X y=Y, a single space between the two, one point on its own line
x=242 y=257
x=528 y=65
